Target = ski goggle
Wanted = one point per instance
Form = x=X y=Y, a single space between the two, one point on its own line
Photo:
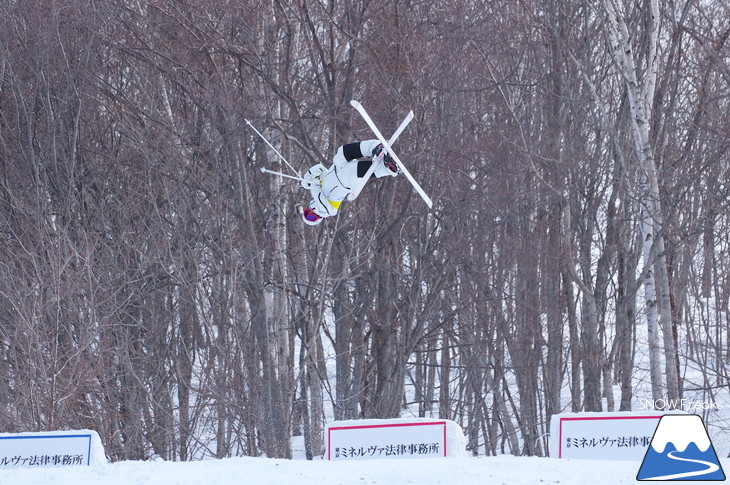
x=310 y=215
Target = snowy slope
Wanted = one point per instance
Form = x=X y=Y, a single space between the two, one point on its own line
x=263 y=471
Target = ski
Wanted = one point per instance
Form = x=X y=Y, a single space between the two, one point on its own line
x=353 y=195
x=386 y=147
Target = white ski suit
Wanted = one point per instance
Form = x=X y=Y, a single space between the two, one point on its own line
x=329 y=187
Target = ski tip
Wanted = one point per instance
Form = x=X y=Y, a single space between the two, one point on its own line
x=355 y=104
x=263 y=169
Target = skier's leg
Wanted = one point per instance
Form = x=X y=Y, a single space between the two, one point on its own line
x=352 y=151
x=345 y=153
x=381 y=169
x=363 y=167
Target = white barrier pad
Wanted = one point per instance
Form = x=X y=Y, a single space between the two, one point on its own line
x=51 y=449
x=602 y=436
x=364 y=439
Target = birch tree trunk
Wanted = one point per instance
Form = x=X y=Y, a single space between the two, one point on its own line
x=641 y=86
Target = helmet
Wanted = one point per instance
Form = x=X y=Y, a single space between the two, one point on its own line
x=310 y=217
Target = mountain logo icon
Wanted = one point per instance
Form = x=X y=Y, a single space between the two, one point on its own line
x=681 y=450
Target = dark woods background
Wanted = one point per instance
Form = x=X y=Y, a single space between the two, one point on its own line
x=155 y=286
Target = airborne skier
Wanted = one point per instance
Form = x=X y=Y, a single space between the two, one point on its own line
x=353 y=165
x=329 y=187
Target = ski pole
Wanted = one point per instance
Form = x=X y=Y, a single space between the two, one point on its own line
x=272 y=147
x=266 y=170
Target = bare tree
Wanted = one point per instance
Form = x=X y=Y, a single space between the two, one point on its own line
x=641 y=82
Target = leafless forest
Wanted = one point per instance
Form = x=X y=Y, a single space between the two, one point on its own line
x=156 y=287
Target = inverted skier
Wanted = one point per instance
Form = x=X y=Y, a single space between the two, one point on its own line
x=352 y=166
x=330 y=186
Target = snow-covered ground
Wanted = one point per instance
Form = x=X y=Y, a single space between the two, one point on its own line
x=458 y=470
x=263 y=471
x=448 y=471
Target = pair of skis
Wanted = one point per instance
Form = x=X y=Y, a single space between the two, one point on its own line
x=379 y=159
x=387 y=148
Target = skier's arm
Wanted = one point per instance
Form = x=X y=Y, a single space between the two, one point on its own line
x=319 y=203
